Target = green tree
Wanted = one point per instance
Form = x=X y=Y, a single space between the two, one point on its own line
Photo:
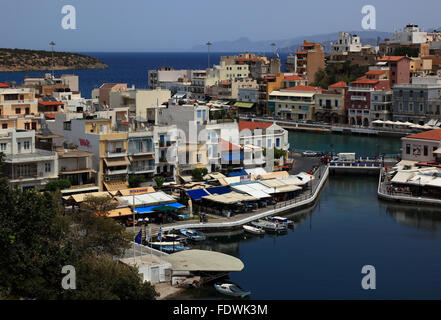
x=57 y=185
x=99 y=205
x=278 y=153
x=199 y=173
x=136 y=180
x=159 y=181
x=101 y=278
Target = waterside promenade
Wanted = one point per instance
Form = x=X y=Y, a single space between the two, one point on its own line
x=387 y=192
x=307 y=198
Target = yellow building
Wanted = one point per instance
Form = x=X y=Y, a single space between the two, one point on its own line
x=18 y=109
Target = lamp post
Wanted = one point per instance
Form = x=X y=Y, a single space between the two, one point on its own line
x=52 y=44
x=208 y=52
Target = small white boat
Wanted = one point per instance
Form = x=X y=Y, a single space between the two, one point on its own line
x=254 y=230
x=231 y=289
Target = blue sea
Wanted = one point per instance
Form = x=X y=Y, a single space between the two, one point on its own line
x=129 y=67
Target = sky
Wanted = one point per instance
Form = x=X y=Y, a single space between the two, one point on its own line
x=178 y=25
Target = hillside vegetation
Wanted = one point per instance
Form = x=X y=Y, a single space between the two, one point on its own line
x=37 y=60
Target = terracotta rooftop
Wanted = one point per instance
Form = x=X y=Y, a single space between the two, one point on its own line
x=375 y=72
x=365 y=81
x=428 y=135
x=293 y=78
x=251 y=125
x=228 y=146
x=340 y=84
x=304 y=88
x=391 y=58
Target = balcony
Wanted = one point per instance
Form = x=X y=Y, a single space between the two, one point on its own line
x=142 y=169
x=116 y=153
x=118 y=171
x=142 y=151
x=165 y=144
x=358 y=98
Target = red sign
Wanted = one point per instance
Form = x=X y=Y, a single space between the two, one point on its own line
x=84 y=143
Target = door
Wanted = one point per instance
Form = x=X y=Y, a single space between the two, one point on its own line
x=154 y=272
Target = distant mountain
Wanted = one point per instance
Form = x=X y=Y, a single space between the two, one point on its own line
x=288 y=45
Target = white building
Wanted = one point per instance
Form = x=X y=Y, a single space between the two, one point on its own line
x=410 y=34
x=26 y=166
x=346 y=43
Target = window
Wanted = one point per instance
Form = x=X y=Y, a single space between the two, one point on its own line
x=407 y=148
x=277 y=142
x=426 y=150
x=269 y=143
x=411 y=106
x=47 y=167
x=4 y=126
x=199 y=114
x=421 y=107
x=17 y=110
x=3 y=146
x=26 y=145
x=67 y=125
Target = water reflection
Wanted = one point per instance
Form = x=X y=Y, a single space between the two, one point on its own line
x=419 y=217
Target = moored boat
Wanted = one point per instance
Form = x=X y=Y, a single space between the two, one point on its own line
x=232 y=290
x=284 y=220
x=168 y=246
x=254 y=230
x=192 y=234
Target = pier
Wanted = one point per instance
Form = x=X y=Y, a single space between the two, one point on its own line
x=305 y=199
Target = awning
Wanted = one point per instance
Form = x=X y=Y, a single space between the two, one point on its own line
x=230 y=198
x=115 y=162
x=244 y=104
x=437 y=151
x=247 y=188
x=238 y=173
x=158 y=197
x=128 y=192
x=218 y=190
x=197 y=194
x=142 y=157
x=80 y=197
x=121 y=212
x=150 y=209
x=256 y=171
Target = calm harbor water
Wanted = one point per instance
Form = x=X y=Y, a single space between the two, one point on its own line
x=349 y=227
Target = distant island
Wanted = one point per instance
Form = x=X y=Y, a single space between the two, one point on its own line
x=14 y=60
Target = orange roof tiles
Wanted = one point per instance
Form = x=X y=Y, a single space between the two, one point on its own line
x=340 y=84
x=391 y=58
x=428 y=135
x=251 y=125
x=4 y=85
x=304 y=88
x=375 y=72
x=365 y=81
x=293 y=78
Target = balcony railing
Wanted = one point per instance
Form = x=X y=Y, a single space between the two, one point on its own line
x=141 y=169
x=119 y=171
x=116 y=153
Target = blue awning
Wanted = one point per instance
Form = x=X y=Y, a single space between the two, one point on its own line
x=197 y=194
x=149 y=209
x=218 y=190
x=242 y=172
x=232 y=157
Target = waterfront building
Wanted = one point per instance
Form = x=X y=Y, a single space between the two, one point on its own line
x=19 y=108
x=26 y=166
x=424 y=147
x=309 y=59
x=330 y=104
x=381 y=105
x=399 y=68
x=109 y=147
x=295 y=103
x=166 y=151
x=358 y=99
x=267 y=85
x=259 y=65
x=419 y=101
x=345 y=43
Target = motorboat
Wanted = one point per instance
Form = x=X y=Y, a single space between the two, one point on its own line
x=232 y=290
x=175 y=237
x=284 y=220
x=270 y=227
x=193 y=235
x=168 y=246
x=254 y=230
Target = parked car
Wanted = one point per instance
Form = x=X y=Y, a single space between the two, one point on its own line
x=309 y=153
